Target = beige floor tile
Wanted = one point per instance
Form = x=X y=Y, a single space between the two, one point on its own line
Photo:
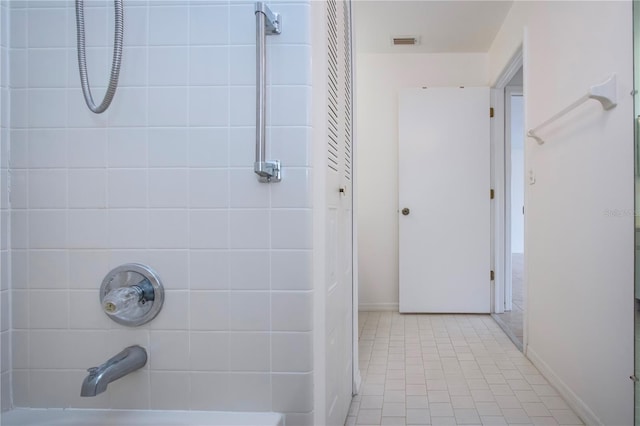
x=369 y=417
x=418 y=416
x=448 y=369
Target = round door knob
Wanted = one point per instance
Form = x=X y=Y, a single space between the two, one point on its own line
x=406 y=211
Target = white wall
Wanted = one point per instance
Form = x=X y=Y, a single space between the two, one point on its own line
x=517 y=174
x=165 y=178
x=378 y=79
x=579 y=271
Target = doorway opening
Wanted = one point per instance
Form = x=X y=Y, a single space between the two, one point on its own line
x=511 y=316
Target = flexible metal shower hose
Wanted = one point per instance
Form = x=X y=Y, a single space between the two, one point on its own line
x=117 y=57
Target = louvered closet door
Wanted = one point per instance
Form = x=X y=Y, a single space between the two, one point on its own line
x=339 y=306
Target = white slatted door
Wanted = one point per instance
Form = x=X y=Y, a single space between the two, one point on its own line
x=444 y=180
x=339 y=305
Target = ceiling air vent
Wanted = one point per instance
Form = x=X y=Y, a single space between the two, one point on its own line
x=404 y=41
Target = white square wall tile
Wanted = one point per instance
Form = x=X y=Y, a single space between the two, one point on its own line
x=134 y=68
x=242 y=106
x=249 y=351
x=209 y=391
x=48 y=309
x=292 y=392
x=208 y=188
x=20 y=229
x=168 y=106
x=209 y=269
x=298 y=30
x=209 y=65
x=209 y=106
x=291 y=229
x=87 y=188
x=168 y=188
x=127 y=188
x=19 y=189
x=46 y=148
x=291 y=311
x=47 y=108
x=242 y=146
x=249 y=270
x=209 y=310
x=87 y=268
x=48 y=269
x=249 y=391
x=209 y=351
x=128 y=228
x=290 y=64
x=47 y=27
x=85 y=311
x=293 y=191
x=249 y=229
x=20 y=309
x=208 y=229
x=168 y=66
x=169 y=350
x=242 y=60
x=208 y=25
x=47 y=189
x=87 y=148
x=246 y=191
x=249 y=311
x=292 y=352
x=290 y=106
x=175 y=311
x=127 y=147
x=88 y=229
x=19 y=108
x=168 y=229
x=291 y=270
x=129 y=107
x=169 y=390
x=131 y=391
x=242 y=24
x=47 y=68
x=208 y=147
x=172 y=266
x=168 y=147
x=168 y=25
x=47 y=229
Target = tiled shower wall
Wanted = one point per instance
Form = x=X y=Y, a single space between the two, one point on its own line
x=5 y=317
x=164 y=177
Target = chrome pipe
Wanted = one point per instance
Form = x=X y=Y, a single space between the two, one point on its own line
x=267 y=23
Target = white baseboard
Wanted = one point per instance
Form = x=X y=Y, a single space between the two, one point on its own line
x=577 y=405
x=362 y=307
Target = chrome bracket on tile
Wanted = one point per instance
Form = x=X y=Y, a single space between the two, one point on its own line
x=131 y=294
x=267 y=171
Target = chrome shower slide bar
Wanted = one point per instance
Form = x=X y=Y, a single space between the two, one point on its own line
x=267 y=23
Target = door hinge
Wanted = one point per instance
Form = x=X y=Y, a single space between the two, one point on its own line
x=492 y=194
x=493 y=276
x=491 y=113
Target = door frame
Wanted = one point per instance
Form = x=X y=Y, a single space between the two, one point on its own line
x=501 y=233
x=509 y=91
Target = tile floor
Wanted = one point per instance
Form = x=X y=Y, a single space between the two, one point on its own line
x=448 y=370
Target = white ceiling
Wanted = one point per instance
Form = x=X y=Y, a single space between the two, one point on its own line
x=442 y=26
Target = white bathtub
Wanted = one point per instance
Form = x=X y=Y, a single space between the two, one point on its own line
x=78 y=417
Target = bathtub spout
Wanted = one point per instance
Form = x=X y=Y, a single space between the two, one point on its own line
x=127 y=361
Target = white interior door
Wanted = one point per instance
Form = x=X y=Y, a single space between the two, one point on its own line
x=339 y=237
x=444 y=181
